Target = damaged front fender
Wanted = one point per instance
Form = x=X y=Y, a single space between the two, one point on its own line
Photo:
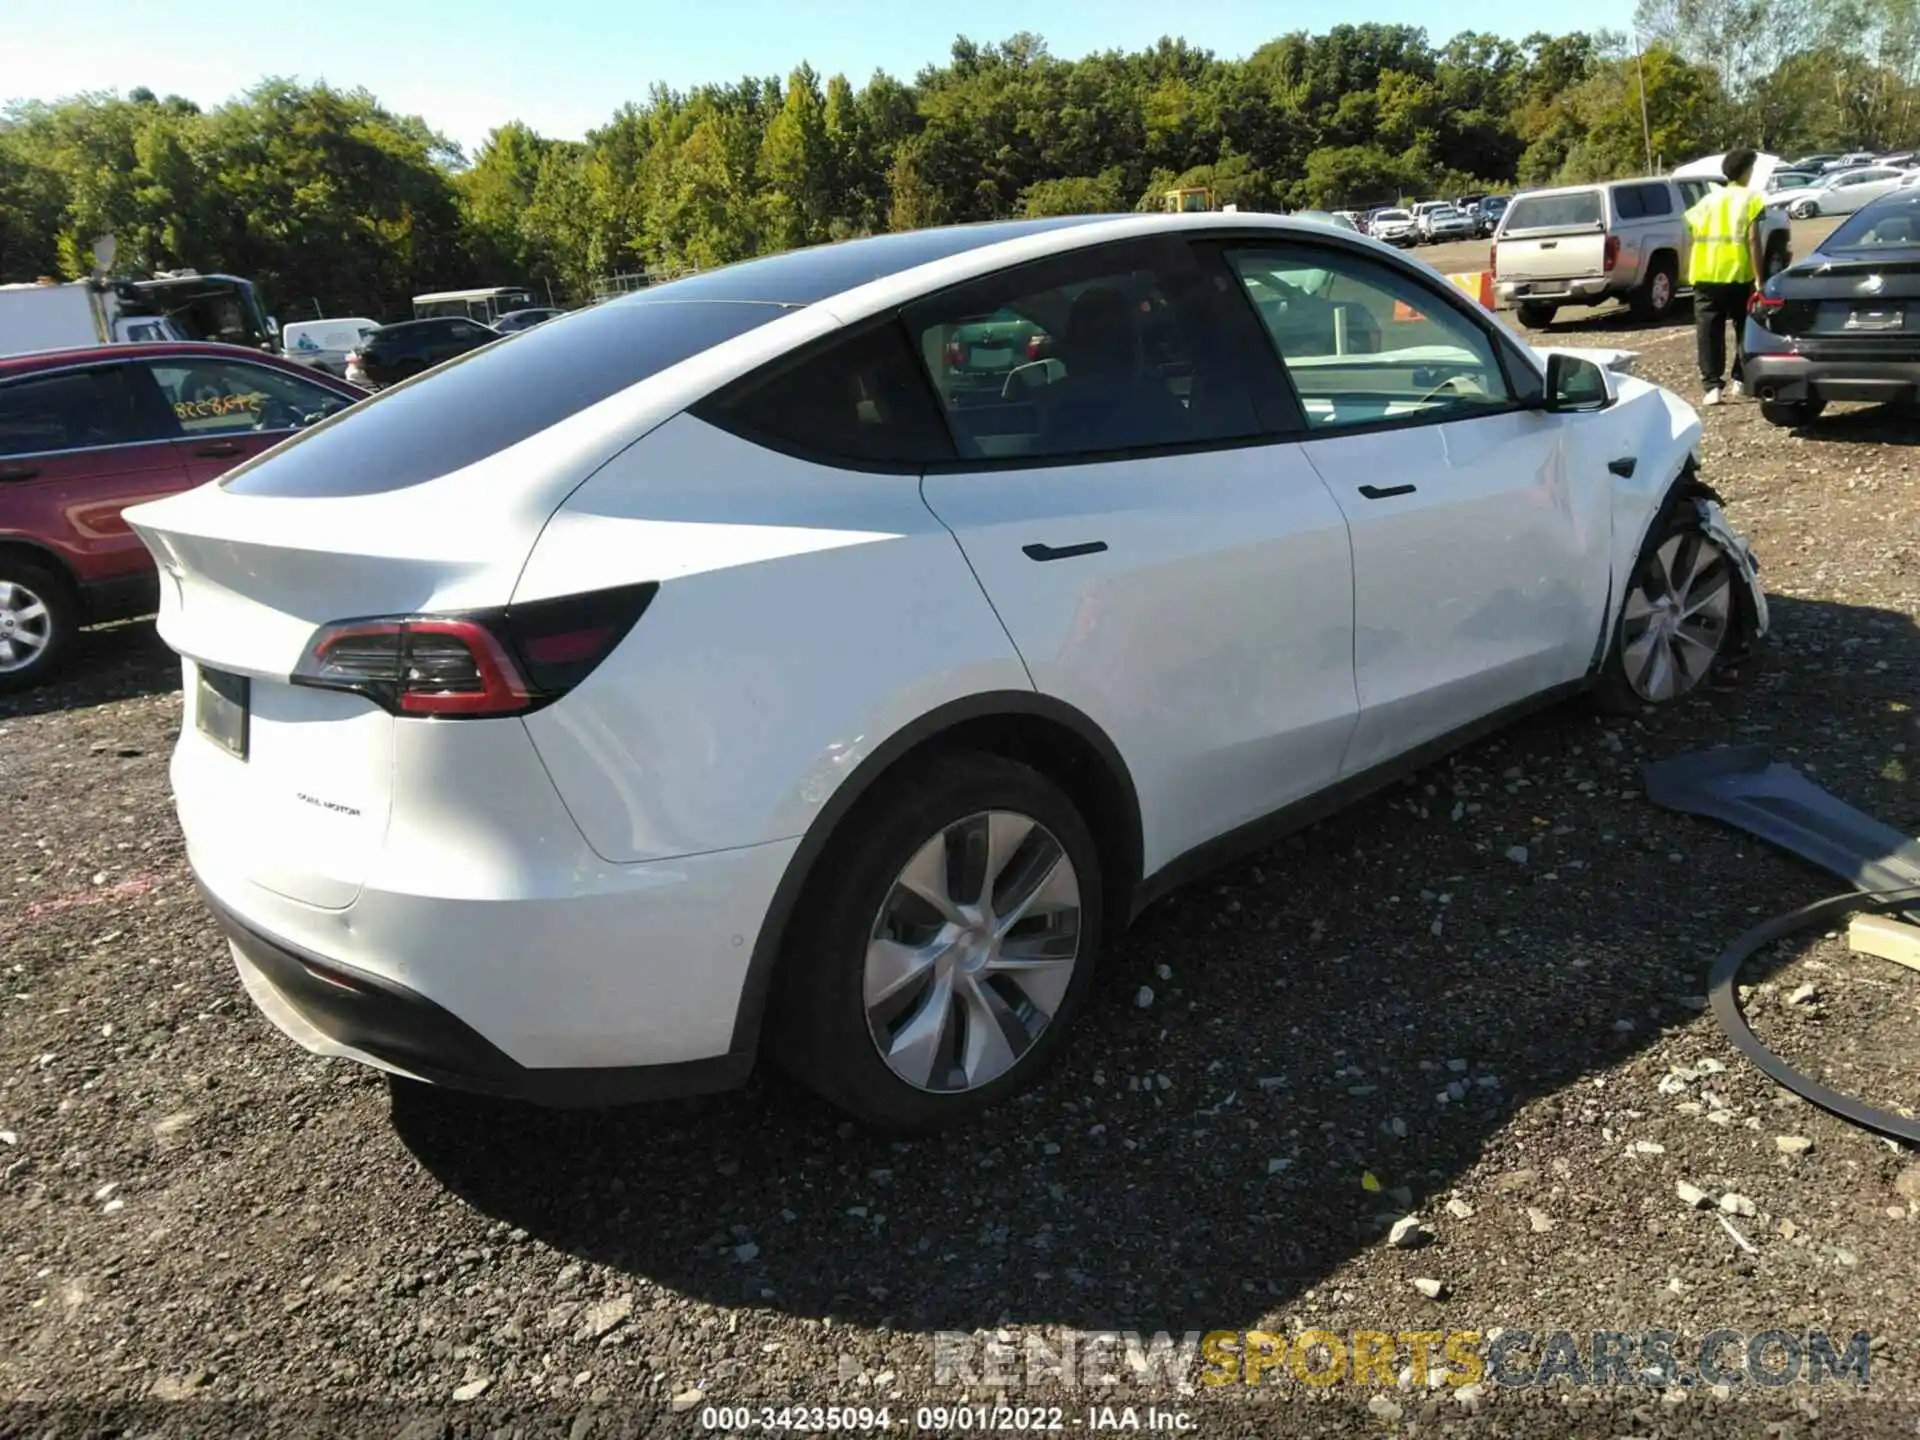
x=1717 y=528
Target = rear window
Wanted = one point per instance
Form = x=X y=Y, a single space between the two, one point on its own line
x=1553 y=212
x=494 y=397
x=1895 y=223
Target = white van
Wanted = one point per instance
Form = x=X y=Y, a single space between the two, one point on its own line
x=324 y=344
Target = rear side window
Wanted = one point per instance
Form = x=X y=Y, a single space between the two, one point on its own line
x=493 y=397
x=1553 y=212
x=74 y=410
x=1656 y=199
x=862 y=399
x=1629 y=202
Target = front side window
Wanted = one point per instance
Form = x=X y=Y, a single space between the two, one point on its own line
x=1365 y=345
x=222 y=397
x=1093 y=355
x=73 y=410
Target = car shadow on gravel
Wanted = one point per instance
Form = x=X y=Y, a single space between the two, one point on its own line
x=1338 y=1031
x=1867 y=425
x=111 y=662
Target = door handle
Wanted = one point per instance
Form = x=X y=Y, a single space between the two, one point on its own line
x=1623 y=467
x=1063 y=552
x=215 y=449
x=18 y=472
x=1378 y=492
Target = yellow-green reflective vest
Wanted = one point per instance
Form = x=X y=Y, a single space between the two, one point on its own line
x=1719 y=224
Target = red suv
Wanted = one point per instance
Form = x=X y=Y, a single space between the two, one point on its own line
x=86 y=433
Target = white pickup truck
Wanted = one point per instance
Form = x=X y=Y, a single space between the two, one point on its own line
x=1623 y=240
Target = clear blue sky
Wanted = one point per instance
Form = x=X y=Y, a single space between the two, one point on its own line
x=564 y=66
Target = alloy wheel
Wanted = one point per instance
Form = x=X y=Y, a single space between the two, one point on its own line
x=1661 y=290
x=26 y=627
x=972 y=952
x=1677 y=617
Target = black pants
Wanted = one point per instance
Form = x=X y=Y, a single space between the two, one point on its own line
x=1714 y=308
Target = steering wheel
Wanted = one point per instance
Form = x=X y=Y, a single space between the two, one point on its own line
x=1446 y=384
x=277 y=415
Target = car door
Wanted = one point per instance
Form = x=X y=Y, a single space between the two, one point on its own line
x=225 y=410
x=77 y=446
x=1480 y=555
x=1160 y=561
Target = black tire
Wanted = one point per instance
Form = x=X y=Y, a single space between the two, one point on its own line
x=53 y=628
x=1777 y=258
x=1614 y=691
x=817 y=1025
x=1536 y=314
x=1791 y=415
x=1655 y=298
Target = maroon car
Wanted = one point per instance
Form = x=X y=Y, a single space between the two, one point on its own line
x=85 y=433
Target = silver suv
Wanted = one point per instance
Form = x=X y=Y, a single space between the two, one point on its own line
x=1624 y=240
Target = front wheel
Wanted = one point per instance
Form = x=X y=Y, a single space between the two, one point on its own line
x=1537 y=316
x=945 y=943
x=1678 y=621
x=1805 y=209
x=1791 y=415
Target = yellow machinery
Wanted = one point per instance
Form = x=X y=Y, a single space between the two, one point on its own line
x=1187 y=201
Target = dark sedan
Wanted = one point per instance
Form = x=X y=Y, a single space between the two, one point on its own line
x=514 y=321
x=1842 y=323
x=396 y=352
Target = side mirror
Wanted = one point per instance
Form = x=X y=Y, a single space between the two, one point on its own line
x=1575 y=385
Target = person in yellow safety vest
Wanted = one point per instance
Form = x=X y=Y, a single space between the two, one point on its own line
x=1725 y=262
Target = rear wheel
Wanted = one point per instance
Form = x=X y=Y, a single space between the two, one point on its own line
x=1679 y=620
x=1805 y=209
x=1790 y=414
x=1654 y=299
x=38 y=617
x=1536 y=315
x=946 y=941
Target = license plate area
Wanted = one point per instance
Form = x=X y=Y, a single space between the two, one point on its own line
x=222 y=709
x=1876 y=317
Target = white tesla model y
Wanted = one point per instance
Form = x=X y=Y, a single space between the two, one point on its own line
x=822 y=655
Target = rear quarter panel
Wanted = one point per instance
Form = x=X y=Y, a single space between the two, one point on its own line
x=805 y=615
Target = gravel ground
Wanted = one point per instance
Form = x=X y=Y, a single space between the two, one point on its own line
x=194 y=1211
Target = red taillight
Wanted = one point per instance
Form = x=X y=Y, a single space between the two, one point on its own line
x=353 y=357
x=503 y=662
x=1612 y=255
x=1765 y=304
x=416 y=666
x=1036 y=346
x=956 y=355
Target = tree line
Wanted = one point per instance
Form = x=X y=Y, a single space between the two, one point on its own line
x=334 y=203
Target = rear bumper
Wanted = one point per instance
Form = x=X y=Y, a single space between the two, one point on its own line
x=1791 y=379
x=1552 y=292
x=340 y=1010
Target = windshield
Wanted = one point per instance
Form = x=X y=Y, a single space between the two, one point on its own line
x=1553 y=212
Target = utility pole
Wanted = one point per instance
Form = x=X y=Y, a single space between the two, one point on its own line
x=1646 y=126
